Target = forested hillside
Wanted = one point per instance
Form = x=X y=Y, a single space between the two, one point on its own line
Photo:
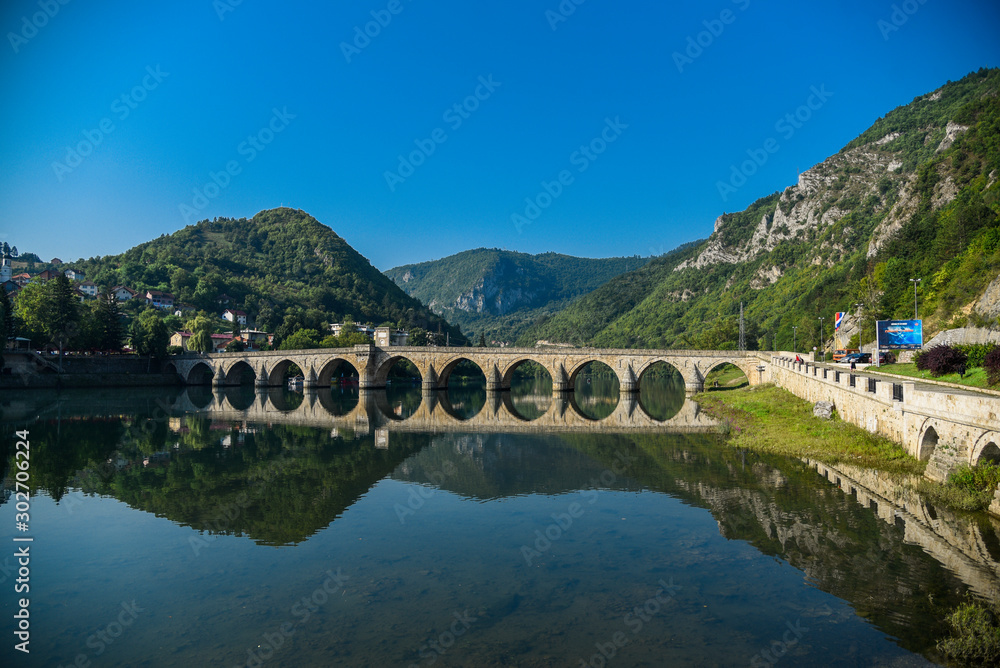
x=914 y=196
x=498 y=293
x=283 y=267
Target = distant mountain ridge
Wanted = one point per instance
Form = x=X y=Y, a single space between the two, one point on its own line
x=914 y=196
x=497 y=292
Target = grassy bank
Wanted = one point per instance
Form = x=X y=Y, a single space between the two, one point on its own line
x=975 y=377
x=768 y=419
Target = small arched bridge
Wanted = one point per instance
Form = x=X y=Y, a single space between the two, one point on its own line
x=321 y=367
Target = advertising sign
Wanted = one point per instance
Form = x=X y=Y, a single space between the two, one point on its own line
x=900 y=334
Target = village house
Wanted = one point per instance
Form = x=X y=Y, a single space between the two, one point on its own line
x=74 y=275
x=55 y=262
x=47 y=275
x=160 y=299
x=337 y=327
x=233 y=315
x=122 y=293
x=22 y=279
x=89 y=288
x=219 y=341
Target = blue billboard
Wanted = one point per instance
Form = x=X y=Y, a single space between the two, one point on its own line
x=900 y=334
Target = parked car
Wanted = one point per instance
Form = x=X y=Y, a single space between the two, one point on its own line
x=839 y=355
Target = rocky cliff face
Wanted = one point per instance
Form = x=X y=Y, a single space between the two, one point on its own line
x=871 y=175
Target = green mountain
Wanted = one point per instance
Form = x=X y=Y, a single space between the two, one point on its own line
x=283 y=267
x=915 y=196
x=499 y=293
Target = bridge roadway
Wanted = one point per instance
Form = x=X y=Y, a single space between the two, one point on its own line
x=321 y=367
x=435 y=414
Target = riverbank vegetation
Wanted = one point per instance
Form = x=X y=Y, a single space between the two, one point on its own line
x=975 y=639
x=766 y=418
x=968 y=488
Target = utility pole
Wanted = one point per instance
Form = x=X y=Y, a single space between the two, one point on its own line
x=915 y=281
x=859 y=306
x=821 y=337
x=794 y=349
x=743 y=333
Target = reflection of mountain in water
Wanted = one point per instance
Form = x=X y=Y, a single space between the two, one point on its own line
x=897 y=560
x=903 y=575
x=491 y=466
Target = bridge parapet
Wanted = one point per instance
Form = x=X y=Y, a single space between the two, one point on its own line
x=435 y=365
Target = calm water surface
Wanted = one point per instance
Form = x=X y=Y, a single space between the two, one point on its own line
x=170 y=537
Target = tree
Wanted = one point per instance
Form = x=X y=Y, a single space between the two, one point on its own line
x=150 y=336
x=482 y=340
x=61 y=312
x=301 y=340
x=237 y=332
x=201 y=334
x=7 y=329
x=418 y=337
x=109 y=329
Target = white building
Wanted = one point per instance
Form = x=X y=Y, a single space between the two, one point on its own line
x=233 y=315
x=89 y=288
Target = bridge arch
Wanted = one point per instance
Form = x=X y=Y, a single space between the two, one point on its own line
x=446 y=370
x=986 y=449
x=336 y=368
x=239 y=372
x=276 y=377
x=507 y=373
x=200 y=374
x=927 y=441
x=385 y=367
x=575 y=370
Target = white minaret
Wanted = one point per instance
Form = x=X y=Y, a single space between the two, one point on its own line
x=7 y=270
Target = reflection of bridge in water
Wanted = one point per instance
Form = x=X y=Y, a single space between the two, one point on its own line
x=319 y=408
x=967 y=549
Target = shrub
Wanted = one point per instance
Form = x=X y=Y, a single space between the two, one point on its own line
x=992 y=365
x=941 y=360
x=975 y=635
x=175 y=350
x=976 y=353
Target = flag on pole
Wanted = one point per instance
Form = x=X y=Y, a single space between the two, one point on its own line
x=838 y=317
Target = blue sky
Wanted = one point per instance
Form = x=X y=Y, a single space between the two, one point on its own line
x=630 y=139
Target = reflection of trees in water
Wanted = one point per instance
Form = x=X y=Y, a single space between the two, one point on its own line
x=596 y=396
x=530 y=393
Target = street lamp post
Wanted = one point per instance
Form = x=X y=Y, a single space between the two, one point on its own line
x=794 y=349
x=821 y=336
x=859 y=306
x=915 y=281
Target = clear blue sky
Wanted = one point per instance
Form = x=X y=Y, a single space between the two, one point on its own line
x=218 y=81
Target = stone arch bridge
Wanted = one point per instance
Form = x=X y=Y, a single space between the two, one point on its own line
x=321 y=367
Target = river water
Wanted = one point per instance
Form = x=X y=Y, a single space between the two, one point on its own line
x=190 y=529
